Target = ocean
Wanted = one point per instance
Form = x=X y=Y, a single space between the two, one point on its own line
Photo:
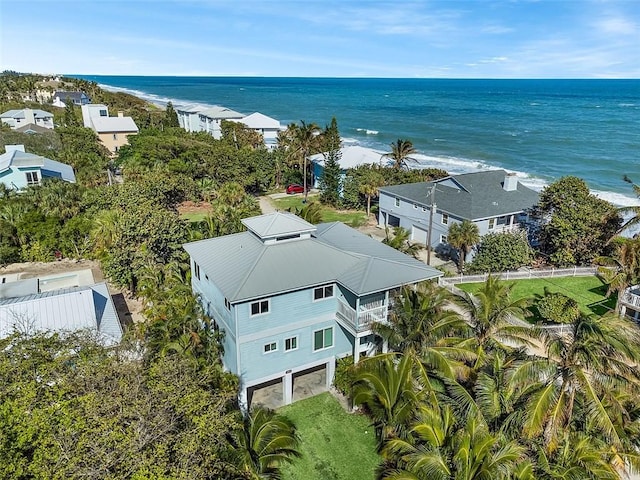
x=540 y=129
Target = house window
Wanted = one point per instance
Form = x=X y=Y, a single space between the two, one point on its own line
x=424 y=209
x=445 y=219
x=492 y=223
x=227 y=304
x=270 y=347
x=322 y=339
x=196 y=270
x=260 y=308
x=32 y=178
x=397 y=202
x=322 y=292
x=443 y=239
x=290 y=344
x=103 y=113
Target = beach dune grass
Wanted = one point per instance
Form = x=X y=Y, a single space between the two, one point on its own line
x=590 y=292
x=335 y=444
x=353 y=218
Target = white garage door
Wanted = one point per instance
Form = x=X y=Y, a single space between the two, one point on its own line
x=418 y=235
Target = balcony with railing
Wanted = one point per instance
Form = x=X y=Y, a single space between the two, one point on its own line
x=360 y=320
x=631 y=297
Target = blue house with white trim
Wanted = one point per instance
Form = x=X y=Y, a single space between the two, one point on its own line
x=19 y=169
x=292 y=297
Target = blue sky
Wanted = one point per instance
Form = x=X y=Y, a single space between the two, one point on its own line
x=348 y=38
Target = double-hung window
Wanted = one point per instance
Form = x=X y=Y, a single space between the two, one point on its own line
x=322 y=339
x=322 y=292
x=397 y=202
x=492 y=223
x=196 y=270
x=290 y=344
x=270 y=347
x=32 y=178
x=260 y=307
x=445 y=219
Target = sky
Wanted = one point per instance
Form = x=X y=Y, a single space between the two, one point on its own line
x=310 y=38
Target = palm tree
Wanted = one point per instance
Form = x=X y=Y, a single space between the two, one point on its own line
x=625 y=270
x=633 y=211
x=421 y=321
x=588 y=373
x=369 y=186
x=400 y=241
x=401 y=151
x=463 y=236
x=388 y=388
x=266 y=442
x=495 y=320
x=443 y=447
x=305 y=139
x=311 y=212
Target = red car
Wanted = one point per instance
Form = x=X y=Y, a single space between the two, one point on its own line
x=295 y=188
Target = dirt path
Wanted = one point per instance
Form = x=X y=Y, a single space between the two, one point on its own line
x=266 y=205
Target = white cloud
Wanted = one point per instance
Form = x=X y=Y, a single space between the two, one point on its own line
x=616 y=25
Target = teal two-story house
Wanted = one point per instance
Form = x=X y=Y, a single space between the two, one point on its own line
x=20 y=169
x=292 y=297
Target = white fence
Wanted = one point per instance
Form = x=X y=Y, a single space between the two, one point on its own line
x=518 y=275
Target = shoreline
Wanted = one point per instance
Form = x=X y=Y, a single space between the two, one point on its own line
x=452 y=164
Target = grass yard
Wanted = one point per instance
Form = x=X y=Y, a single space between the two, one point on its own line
x=353 y=218
x=335 y=445
x=193 y=216
x=589 y=292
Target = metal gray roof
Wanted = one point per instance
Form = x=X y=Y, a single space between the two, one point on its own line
x=352 y=156
x=218 y=112
x=16 y=158
x=277 y=224
x=68 y=309
x=243 y=267
x=477 y=195
x=37 y=113
x=114 y=124
x=19 y=288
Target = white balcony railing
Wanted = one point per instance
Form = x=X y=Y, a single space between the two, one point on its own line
x=631 y=297
x=362 y=319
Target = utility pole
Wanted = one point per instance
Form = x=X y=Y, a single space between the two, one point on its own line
x=431 y=210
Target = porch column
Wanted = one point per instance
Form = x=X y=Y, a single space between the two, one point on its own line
x=243 y=399
x=331 y=369
x=385 y=346
x=356 y=349
x=623 y=310
x=287 y=387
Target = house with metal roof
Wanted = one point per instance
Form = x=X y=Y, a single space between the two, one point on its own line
x=292 y=297
x=113 y=132
x=266 y=126
x=351 y=156
x=19 y=169
x=27 y=116
x=26 y=309
x=196 y=118
x=494 y=200
x=61 y=98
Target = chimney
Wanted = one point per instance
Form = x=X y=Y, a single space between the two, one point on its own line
x=28 y=116
x=14 y=148
x=510 y=182
x=120 y=113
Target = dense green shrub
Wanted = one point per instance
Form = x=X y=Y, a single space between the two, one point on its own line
x=499 y=252
x=556 y=307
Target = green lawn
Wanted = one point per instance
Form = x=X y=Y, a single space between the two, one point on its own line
x=336 y=445
x=353 y=218
x=589 y=292
x=193 y=217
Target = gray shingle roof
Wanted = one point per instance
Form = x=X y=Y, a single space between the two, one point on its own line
x=244 y=268
x=480 y=195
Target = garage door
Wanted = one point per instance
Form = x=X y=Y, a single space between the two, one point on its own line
x=418 y=235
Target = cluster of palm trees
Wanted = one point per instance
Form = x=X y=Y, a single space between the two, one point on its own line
x=470 y=390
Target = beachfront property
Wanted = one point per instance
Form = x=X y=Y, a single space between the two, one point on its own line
x=27 y=116
x=266 y=126
x=292 y=297
x=113 y=132
x=494 y=200
x=196 y=119
x=352 y=156
x=20 y=169
x=64 y=302
x=630 y=303
x=60 y=98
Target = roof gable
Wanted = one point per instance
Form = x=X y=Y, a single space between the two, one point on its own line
x=277 y=224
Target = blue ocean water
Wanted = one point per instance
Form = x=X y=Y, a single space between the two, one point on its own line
x=542 y=129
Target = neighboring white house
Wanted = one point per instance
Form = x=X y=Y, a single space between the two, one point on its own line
x=19 y=169
x=351 y=156
x=112 y=131
x=197 y=119
x=19 y=118
x=266 y=126
x=77 y=98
